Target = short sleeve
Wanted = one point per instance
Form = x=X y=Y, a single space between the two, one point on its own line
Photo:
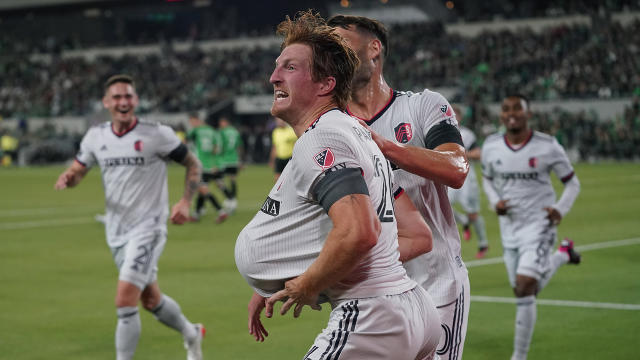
x=560 y=163
x=167 y=140
x=436 y=120
x=485 y=162
x=318 y=151
x=434 y=109
x=85 y=155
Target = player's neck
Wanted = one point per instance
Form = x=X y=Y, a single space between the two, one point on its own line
x=311 y=116
x=369 y=99
x=122 y=126
x=517 y=138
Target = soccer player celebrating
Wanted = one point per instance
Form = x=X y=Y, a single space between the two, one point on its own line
x=419 y=134
x=517 y=170
x=132 y=155
x=328 y=227
x=205 y=140
x=468 y=196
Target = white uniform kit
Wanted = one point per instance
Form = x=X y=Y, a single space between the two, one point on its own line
x=522 y=175
x=134 y=175
x=377 y=300
x=468 y=196
x=419 y=119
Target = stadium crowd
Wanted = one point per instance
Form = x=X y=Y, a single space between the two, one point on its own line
x=561 y=62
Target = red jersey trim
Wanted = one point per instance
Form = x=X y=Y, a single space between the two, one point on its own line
x=506 y=141
x=379 y=113
x=125 y=132
x=567 y=178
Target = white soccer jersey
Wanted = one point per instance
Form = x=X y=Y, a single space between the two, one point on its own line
x=468 y=195
x=522 y=176
x=134 y=175
x=287 y=234
x=407 y=119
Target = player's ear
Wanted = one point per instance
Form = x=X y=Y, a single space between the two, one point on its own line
x=327 y=85
x=374 y=48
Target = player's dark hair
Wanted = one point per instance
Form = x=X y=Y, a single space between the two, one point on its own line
x=331 y=57
x=521 y=97
x=363 y=24
x=120 y=78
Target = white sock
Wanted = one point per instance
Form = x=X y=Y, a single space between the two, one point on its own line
x=481 y=232
x=127 y=332
x=461 y=219
x=556 y=260
x=168 y=312
x=525 y=323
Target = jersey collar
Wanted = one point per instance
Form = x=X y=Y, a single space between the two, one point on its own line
x=315 y=122
x=125 y=132
x=375 y=117
x=514 y=149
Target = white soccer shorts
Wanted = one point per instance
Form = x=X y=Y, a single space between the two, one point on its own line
x=532 y=259
x=400 y=327
x=454 y=318
x=137 y=260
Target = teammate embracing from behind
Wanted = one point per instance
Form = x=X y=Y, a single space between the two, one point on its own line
x=517 y=170
x=418 y=132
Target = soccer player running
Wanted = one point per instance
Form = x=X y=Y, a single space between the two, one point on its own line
x=468 y=196
x=132 y=155
x=517 y=170
x=229 y=161
x=327 y=230
x=282 y=140
x=206 y=140
x=419 y=134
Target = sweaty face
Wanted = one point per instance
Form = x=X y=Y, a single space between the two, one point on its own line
x=514 y=114
x=358 y=43
x=293 y=88
x=121 y=100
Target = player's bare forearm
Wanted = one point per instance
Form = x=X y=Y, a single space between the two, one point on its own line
x=71 y=176
x=474 y=154
x=414 y=235
x=446 y=164
x=355 y=231
x=192 y=176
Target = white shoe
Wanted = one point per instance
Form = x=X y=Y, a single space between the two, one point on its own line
x=194 y=347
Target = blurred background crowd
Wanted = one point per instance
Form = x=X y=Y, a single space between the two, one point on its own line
x=203 y=55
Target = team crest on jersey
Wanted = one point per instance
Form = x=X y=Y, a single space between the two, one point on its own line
x=446 y=109
x=138 y=145
x=403 y=132
x=324 y=158
x=533 y=162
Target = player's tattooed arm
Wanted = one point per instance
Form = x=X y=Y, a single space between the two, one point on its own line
x=180 y=211
x=193 y=174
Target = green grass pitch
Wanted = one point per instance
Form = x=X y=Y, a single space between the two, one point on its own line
x=57 y=279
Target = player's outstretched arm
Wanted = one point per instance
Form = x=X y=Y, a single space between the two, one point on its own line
x=71 y=176
x=180 y=211
x=414 y=235
x=446 y=164
x=355 y=231
x=256 y=305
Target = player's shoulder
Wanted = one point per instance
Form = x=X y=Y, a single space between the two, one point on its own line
x=540 y=136
x=426 y=95
x=493 y=140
